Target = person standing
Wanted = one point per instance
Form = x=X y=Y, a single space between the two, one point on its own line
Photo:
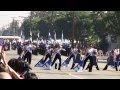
x=111 y=60
x=89 y=56
x=19 y=48
x=78 y=59
x=72 y=55
x=117 y=62
x=95 y=60
x=48 y=53
x=28 y=52
x=58 y=56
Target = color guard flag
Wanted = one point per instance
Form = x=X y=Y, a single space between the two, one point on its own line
x=38 y=35
x=66 y=62
x=54 y=35
x=30 y=33
x=62 y=36
x=40 y=63
x=49 y=36
x=47 y=65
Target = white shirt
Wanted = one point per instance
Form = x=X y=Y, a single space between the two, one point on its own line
x=29 y=48
x=90 y=51
x=48 y=51
x=73 y=51
x=58 y=50
x=14 y=41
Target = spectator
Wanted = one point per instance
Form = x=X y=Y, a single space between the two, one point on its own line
x=3 y=68
x=5 y=75
x=30 y=75
x=19 y=65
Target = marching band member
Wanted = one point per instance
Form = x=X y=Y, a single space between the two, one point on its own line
x=72 y=55
x=48 y=53
x=28 y=52
x=95 y=60
x=78 y=59
x=111 y=60
x=58 y=56
x=89 y=56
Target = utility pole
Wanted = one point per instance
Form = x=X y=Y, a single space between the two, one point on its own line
x=13 y=26
x=73 y=29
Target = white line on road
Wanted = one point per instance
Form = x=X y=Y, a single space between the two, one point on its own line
x=75 y=76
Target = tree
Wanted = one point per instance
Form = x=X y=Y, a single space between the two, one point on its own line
x=90 y=27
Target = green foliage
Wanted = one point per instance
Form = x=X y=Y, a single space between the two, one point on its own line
x=89 y=27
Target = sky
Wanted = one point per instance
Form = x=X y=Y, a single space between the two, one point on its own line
x=6 y=17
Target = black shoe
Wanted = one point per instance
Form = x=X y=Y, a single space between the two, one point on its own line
x=116 y=69
x=55 y=66
x=98 y=69
x=89 y=71
x=104 y=69
x=59 y=69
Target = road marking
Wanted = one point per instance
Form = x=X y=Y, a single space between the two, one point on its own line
x=75 y=76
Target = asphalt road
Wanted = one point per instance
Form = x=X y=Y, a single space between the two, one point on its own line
x=66 y=73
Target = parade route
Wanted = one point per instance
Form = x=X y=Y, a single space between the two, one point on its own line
x=66 y=73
